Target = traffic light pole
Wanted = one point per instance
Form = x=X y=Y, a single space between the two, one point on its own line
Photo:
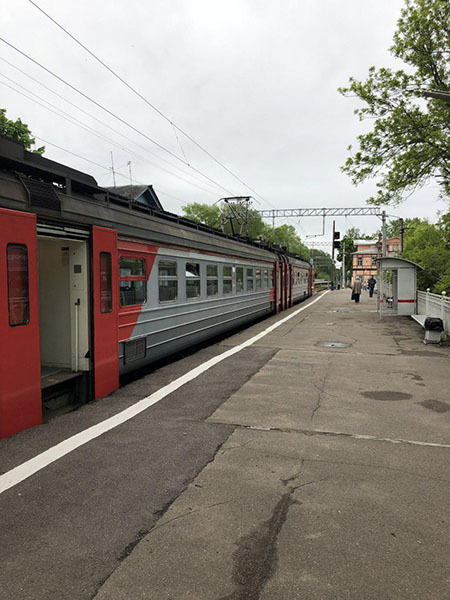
x=332 y=256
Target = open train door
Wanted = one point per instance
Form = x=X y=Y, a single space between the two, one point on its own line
x=20 y=374
x=105 y=284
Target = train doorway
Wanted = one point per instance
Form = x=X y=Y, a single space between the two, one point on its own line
x=63 y=278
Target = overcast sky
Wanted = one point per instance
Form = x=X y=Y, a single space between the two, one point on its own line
x=253 y=81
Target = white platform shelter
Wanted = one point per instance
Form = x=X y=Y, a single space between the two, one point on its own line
x=397 y=286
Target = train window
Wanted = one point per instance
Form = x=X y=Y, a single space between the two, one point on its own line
x=271 y=276
x=227 y=280
x=258 y=279
x=212 y=280
x=132 y=266
x=133 y=281
x=192 y=280
x=18 y=290
x=266 y=278
x=250 y=285
x=168 y=283
x=105 y=282
x=239 y=279
x=133 y=292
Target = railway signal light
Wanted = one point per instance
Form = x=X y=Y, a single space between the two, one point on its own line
x=336 y=240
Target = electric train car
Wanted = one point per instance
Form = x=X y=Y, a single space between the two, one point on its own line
x=93 y=285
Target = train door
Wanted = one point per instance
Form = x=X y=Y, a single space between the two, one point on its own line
x=63 y=275
x=20 y=384
x=282 y=285
x=105 y=310
x=276 y=280
x=291 y=283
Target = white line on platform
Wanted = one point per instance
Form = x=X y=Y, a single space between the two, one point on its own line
x=35 y=464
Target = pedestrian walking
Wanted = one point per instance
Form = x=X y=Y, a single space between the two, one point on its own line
x=356 y=289
x=371 y=283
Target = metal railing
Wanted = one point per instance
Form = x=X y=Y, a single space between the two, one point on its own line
x=434 y=305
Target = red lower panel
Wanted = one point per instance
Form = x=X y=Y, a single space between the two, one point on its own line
x=20 y=375
x=105 y=292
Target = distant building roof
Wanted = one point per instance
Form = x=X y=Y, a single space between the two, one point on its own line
x=143 y=194
x=364 y=242
x=367 y=251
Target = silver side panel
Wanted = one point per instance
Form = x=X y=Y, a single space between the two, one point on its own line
x=173 y=326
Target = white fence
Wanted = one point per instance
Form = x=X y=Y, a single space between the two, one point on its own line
x=434 y=305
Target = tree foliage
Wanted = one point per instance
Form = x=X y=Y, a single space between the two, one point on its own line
x=216 y=215
x=409 y=143
x=18 y=131
x=347 y=246
x=428 y=245
x=322 y=264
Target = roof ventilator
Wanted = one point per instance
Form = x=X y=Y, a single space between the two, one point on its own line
x=41 y=194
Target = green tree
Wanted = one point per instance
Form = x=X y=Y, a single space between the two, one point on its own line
x=215 y=215
x=18 y=131
x=427 y=245
x=409 y=142
x=322 y=263
x=203 y=213
x=232 y=220
x=286 y=235
x=347 y=246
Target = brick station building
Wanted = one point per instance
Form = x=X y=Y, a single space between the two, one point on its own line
x=364 y=260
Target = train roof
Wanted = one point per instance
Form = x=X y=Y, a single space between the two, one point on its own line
x=58 y=193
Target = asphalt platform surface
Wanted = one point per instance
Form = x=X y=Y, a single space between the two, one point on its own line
x=312 y=465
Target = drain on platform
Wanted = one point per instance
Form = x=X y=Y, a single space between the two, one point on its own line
x=387 y=396
x=342 y=309
x=333 y=344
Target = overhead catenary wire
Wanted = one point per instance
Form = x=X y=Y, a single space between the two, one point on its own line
x=99 y=105
x=88 y=129
x=150 y=104
x=90 y=115
x=159 y=190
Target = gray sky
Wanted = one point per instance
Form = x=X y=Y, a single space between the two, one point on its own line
x=253 y=81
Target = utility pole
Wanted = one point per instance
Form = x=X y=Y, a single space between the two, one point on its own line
x=343 y=264
x=332 y=256
x=129 y=170
x=383 y=233
x=112 y=169
x=402 y=229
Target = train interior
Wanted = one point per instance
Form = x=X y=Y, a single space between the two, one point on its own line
x=63 y=319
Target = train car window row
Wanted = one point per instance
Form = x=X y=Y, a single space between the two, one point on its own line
x=208 y=280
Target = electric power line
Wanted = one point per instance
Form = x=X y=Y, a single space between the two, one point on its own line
x=74 y=121
x=111 y=113
x=105 y=125
x=102 y=166
x=130 y=87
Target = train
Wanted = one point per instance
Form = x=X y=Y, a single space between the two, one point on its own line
x=94 y=285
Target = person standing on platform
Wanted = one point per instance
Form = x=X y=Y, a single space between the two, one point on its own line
x=356 y=289
x=371 y=283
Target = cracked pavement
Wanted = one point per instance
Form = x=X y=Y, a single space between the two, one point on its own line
x=290 y=471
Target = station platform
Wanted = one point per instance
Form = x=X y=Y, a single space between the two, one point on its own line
x=312 y=463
